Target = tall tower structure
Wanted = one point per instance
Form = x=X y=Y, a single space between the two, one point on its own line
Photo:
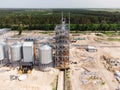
x=62 y=44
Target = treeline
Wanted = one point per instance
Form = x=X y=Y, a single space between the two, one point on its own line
x=95 y=27
x=81 y=20
x=77 y=27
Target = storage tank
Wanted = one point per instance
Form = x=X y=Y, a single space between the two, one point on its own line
x=3 y=50
x=45 y=57
x=28 y=51
x=16 y=52
x=3 y=53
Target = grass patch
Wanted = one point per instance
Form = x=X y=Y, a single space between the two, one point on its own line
x=103 y=83
x=111 y=33
x=113 y=39
x=54 y=88
x=54 y=84
x=44 y=32
x=68 y=85
x=80 y=32
x=108 y=33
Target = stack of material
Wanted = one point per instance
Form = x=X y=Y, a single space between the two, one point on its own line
x=88 y=77
x=112 y=63
x=91 y=49
x=117 y=75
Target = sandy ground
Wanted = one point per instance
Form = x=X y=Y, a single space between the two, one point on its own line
x=77 y=55
x=60 y=81
x=36 y=81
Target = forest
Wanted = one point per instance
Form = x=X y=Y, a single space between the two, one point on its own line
x=46 y=19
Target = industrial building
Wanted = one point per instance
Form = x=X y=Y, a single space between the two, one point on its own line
x=62 y=45
x=45 y=52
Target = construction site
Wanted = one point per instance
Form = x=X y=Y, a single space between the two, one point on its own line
x=59 y=60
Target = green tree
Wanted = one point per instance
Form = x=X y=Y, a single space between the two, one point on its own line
x=20 y=29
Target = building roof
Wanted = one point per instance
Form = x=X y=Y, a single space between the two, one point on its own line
x=91 y=47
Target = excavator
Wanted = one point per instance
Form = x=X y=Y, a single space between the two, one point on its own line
x=25 y=68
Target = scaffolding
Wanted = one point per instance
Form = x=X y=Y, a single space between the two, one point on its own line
x=62 y=45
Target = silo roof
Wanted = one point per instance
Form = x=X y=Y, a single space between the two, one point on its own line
x=16 y=45
x=28 y=44
x=45 y=47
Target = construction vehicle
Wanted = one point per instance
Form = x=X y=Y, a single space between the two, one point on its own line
x=73 y=41
x=25 y=68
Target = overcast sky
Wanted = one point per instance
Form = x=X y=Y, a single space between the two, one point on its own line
x=59 y=3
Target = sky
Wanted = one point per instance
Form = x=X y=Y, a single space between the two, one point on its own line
x=59 y=3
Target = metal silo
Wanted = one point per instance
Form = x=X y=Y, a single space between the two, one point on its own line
x=16 y=52
x=28 y=51
x=3 y=50
x=45 y=57
x=3 y=53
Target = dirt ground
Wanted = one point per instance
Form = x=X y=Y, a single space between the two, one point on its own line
x=93 y=64
x=36 y=81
